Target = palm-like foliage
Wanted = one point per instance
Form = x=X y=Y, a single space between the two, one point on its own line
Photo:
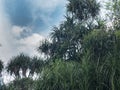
x=67 y=38
x=45 y=47
x=20 y=62
x=36 y=65
x=13 y=68
x=83 y=9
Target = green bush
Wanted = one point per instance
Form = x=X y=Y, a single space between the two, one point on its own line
x=63 y=75
x=103 y=50
x=60 y=75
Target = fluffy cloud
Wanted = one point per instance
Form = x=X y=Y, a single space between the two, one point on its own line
x=30 y=44
x=5 y=36
x=21 y=32
x=9 y=34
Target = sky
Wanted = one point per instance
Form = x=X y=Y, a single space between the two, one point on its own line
x=24 y=23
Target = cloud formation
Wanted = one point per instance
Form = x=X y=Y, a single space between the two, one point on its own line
x=24 y=23
x=36 y=14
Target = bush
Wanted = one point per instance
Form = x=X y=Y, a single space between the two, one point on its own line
x=60 y=75
x=63 y=75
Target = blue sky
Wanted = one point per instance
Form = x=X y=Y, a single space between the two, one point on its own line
x=24 y=23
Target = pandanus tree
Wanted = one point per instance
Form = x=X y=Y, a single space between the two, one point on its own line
x=83 y=9
x=45 y=48
x=60 y=38
x=24 y=61
x=20 y=62
x=13 y=67
x=66 y=40
x=36 y=65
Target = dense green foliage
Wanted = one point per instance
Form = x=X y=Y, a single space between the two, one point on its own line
x=66 y=40
x=97 y=70
x=60 y=76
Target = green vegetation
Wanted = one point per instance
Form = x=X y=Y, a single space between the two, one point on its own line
x=83 y=53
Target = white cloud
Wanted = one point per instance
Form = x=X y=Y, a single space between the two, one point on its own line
x=5 y=34
x=32 y=40
x=18 y=31
x=29 y=44
x=11 y=46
